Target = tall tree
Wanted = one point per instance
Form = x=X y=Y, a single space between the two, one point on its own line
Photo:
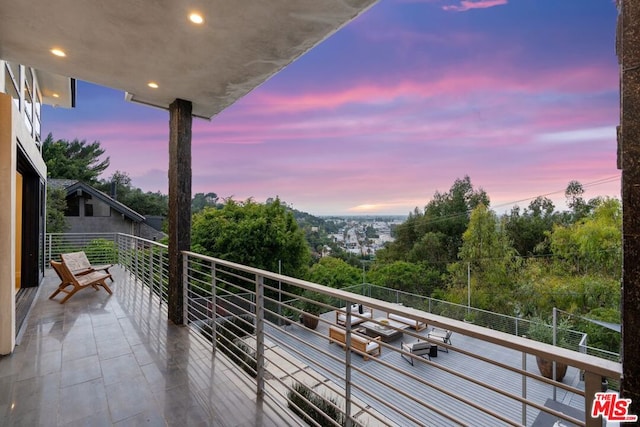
x=445 y=218
x=527 y=230
x=573 y=194
x=334 y=272
x=258 y=235
x=593 y=244
x=56 y=205
x=74 y=160
x=486 y=250
x=148 y=203
x=202 y=200
x=410 y=277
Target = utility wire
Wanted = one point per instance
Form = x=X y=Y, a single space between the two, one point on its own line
x=459 y=215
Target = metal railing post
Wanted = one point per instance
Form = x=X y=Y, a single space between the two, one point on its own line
x=524 y=389
x=553 y=363
x=135 y=259
x=152 y=278
x=214 y=306
x=347 y=366
x=163 y=276
x=49 y=237
x=259 y=337
x=185 y=289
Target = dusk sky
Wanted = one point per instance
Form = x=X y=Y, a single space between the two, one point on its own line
x=521 y=95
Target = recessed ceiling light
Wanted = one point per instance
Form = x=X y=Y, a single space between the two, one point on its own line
x=55 y=95
x=58 y=52
x=196 y=18
x=153 y=85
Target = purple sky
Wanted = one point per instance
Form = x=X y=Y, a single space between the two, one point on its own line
x=521 y=95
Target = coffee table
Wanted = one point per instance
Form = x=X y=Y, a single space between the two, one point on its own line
x=387 y=333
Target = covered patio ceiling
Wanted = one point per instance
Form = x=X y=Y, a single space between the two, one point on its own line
x=127 y=45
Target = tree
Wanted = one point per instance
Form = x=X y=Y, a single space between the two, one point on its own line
x=527 y=230
x=56 y=205
x=257 y=235
x=446 y=216
x=74 y=160
x=573 y=194
x=334 y=272
x=409 y=277
x=594 y=243
x=487 y=251
x=406 y=235
x=148 y=203
x=202 y=200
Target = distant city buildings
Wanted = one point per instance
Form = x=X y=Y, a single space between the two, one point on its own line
x=364 y=236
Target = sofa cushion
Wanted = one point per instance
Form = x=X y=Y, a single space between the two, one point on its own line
x=356 y=316
x=371 y=346
x=420 y=345
x=358 y=338
x=402 y=319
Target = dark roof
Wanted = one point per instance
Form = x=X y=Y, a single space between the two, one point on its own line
x=60 y=183
x=72 y=186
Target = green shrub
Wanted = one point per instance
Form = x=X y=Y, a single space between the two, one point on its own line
x=542 y=331
x=101 y=251
x=309 y=405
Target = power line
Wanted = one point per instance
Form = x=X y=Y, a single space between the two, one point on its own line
x=597 y=182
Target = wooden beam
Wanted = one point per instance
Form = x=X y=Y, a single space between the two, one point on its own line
x=179 y=202
x=628 y=47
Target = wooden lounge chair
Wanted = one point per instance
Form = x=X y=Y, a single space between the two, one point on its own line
x=76 y=283
x=79 y=264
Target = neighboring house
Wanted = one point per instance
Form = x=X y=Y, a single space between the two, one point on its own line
x=92 y=211
x=23 y=174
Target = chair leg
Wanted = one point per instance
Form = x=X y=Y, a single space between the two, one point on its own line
x=70 y=294
x=106 y=288
x=61 y=288
x=407 y=358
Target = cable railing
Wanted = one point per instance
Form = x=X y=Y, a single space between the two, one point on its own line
x=381 y=389
x=575 y=340
x=480 y=376
x=101 y=248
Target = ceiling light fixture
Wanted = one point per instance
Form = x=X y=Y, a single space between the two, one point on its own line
x=153 y=85
x=196 y=18
x=55 y=95
x=58 y=52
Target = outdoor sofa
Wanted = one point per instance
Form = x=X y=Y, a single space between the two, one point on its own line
x=357 y=315
x=366 y=346
x=415 y=324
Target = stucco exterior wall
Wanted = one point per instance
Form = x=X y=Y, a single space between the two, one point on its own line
x=7 y=225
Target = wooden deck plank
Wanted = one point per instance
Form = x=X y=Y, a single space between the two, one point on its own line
x=390 y=402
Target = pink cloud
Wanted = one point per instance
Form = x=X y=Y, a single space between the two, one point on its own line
x=497 y=80
x=466 y=5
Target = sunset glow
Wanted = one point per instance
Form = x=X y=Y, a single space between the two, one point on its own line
x=522 y=96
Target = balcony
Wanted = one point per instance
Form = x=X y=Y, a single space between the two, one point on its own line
x=105 y=360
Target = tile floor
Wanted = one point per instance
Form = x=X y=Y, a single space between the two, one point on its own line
x=101 y=360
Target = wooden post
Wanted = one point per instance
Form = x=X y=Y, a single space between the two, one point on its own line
x=628 y=47
x=179 y=202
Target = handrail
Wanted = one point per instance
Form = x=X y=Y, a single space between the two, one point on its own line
x=582 y=361
x=218 y=292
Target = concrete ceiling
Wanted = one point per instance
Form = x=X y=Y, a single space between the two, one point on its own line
x=125 y=44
